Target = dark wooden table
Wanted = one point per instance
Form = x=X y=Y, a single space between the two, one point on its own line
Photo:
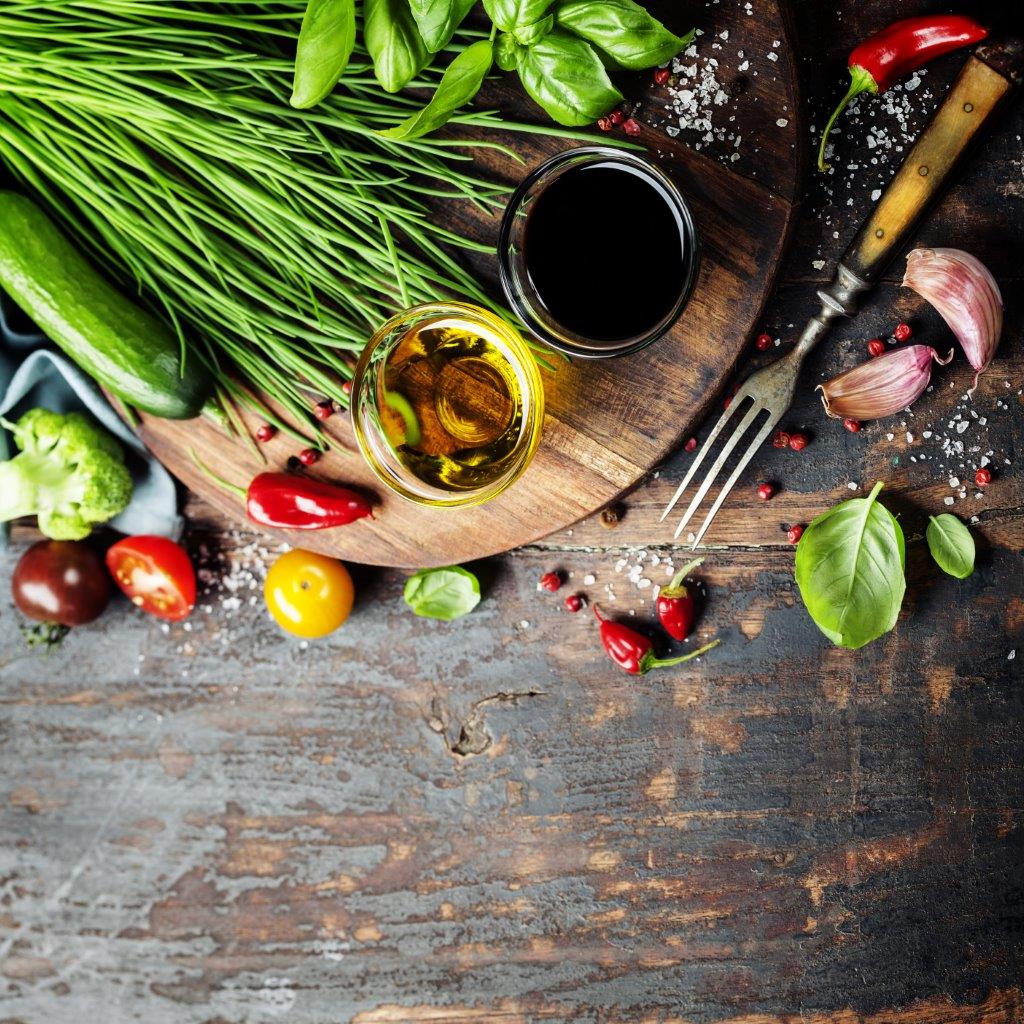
x=417 y=821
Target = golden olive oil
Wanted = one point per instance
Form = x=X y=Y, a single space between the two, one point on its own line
x=451 y=403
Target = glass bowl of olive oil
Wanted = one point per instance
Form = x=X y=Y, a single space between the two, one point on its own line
x=447 y=404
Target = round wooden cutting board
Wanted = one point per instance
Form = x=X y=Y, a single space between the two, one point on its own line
x=610 y=421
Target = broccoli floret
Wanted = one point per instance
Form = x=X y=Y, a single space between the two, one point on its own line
x=70 y=473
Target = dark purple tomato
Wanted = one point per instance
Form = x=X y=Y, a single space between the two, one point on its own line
x=62 y=581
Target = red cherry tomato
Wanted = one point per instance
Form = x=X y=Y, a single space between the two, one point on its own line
x=156 y=574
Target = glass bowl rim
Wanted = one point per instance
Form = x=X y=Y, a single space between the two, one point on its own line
x=589 y=154
x=531 y=372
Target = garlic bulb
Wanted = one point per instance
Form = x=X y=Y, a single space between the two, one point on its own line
x=965 y=293
x=882 y=386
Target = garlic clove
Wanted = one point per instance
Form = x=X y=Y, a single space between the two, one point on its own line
x=882 y=386
x=966 y=295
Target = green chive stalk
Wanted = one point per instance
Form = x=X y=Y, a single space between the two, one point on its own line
x=158 y=133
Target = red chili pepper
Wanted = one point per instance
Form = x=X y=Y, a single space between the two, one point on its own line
x=631 y=650
x=290 y=502
x=899 y=49
x=675 y=604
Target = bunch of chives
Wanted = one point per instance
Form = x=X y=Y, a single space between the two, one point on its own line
x=158 y=132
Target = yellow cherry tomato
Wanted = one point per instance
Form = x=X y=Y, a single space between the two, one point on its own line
x=308 y=594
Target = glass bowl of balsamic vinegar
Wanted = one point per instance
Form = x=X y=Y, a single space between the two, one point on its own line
x=447 y=404
x=598 y=252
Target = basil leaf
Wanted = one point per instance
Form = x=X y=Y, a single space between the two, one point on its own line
x=509 y=15
x=393 y=42
x=566 y=77
x=507 y=53
x=325 y=44
x=849 y=568
x=527 y=35
x=442 y=593
x=951 y=545
x=624 y=30
x=437 y=20
x=459 y=84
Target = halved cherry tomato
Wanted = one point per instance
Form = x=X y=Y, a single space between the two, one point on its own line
x=308 y=594
x=156 y=574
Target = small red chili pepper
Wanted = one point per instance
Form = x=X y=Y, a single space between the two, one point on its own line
x=617 y=116
x=851 y=424
x=661 y=76
x=798 y=442
x=983 y=477
x=899 y=49
x=573 y=603
x=290 y=502
x=902 y=332
x=264 y=432
x=631 y=126
x=691 y=445
x=346 y=388
x=675 y=604
x=308 y=456
x=780 y=439
x=633 y=652
x=324 y=410
x=876 y=347
x=765 y=491
x=794 y=534
x=550 y=581
x=763 y=343
x=604 y=123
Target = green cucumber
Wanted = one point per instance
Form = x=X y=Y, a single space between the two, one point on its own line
x=119 y=344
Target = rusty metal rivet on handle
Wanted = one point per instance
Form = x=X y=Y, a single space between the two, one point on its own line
x=923 y=170
x=968 y=108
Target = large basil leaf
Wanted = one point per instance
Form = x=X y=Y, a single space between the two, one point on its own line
x=459 y=84
x=437 y=20
x=325 y=44
x=527 y=35
x=623 y=29
x=951 y=545
x=849 y=568
x=442 y=593
x=394 y=43
x=509 y=15
x=566 y=77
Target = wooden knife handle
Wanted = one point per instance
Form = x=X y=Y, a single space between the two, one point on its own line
x=986 y=81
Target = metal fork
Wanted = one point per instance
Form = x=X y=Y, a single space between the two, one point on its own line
x=985 y=83
x=769 y=392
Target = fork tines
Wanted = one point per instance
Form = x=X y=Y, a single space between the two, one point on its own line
x=751 y=414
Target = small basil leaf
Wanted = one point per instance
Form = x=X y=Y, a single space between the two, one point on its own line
x=566 y=77
x=437 y=20
x=951 y=545
x=507 y=52
x=325 y=44
x=849 y=568
x=393 y=42
x=527 y=35
x=459 y=84
x=624 y=30
x=442 y=593
x=509 y=15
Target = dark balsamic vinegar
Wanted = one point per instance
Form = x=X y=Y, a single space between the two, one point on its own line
x=606 y=252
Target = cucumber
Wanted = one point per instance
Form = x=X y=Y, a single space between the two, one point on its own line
x=119 y=344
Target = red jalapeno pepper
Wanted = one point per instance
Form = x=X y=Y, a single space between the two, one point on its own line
x=633 y=652
x=895 y=51
x=675 y=604
x=289 y=502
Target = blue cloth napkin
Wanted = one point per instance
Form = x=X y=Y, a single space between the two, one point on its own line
x=31 y=375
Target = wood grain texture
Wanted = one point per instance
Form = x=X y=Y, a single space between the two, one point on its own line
x=485 y=823
x=607 y=422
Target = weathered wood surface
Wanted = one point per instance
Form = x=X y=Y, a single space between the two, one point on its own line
x=484 y=821
x=600 y=437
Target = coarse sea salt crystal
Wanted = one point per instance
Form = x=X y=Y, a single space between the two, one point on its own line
x=947 y=501
x=590 y=579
